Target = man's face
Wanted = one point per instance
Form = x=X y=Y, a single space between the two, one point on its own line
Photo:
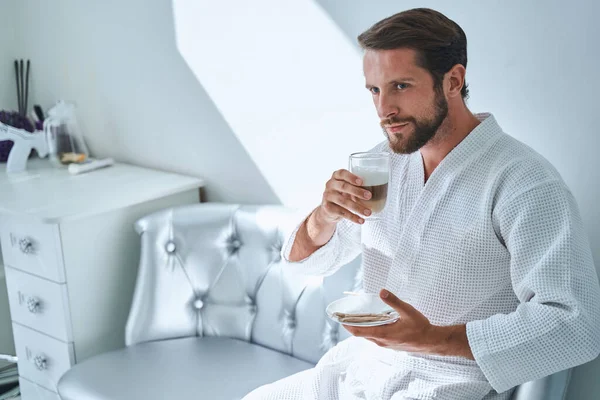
x=410 y=108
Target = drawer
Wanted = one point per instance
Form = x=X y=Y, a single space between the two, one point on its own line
x=39 y=304
x=32 y=247
x=31 y=391
x=42 y=359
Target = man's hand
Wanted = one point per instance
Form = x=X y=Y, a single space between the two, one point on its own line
x=414 y=333
x=343 y=198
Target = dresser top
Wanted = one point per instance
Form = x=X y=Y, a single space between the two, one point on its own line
x=53 y=195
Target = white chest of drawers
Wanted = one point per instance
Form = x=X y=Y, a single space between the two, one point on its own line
x=70 y=260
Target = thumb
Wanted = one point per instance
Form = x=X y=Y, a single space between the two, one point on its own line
x=403 y=308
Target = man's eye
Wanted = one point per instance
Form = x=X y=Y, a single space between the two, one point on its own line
x=374 y=90
x=401 y=86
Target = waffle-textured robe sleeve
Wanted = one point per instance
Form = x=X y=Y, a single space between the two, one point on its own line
x=343 y=247
x=557 y=323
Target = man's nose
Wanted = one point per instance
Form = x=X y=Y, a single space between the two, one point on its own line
x=386 y=108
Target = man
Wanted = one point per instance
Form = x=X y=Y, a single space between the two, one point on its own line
x=480 y=248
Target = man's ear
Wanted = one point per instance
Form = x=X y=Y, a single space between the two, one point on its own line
x=454 y=80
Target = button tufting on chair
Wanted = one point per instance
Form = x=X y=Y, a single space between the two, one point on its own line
x=234 y=245
x=170 y=247
x=198 y=304
x=289 y=320
x=334 y=336
x=291 y=324
x=276 y=255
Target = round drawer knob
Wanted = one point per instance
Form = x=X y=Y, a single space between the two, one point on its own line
x=33 y=305
x=40 y=362
x=26 y=246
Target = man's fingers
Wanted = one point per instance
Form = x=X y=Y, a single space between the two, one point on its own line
x=335 y=209
x=343 y=197
x=403 y=308
x=350 y=188
x=347 y=203
x=374 y=332
x=345 y=175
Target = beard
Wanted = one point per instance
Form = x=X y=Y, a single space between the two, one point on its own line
x=425 y=128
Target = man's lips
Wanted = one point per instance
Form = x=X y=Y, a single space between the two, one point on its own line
x=395 y=128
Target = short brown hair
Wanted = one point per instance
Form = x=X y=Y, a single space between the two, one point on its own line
x=440 y=42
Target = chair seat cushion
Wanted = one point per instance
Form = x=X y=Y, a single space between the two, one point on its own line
x=187 y=368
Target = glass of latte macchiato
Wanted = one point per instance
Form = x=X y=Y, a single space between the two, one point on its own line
x=374 y=170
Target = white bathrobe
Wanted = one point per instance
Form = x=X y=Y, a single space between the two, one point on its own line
x=493 y=240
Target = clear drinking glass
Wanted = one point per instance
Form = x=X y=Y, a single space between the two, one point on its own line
x=374 y=170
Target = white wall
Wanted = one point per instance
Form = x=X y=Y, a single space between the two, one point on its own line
x=138 y=101
x=535 y=65
x=8 y=100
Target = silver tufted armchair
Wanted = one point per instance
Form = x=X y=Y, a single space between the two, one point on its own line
x=215 y=314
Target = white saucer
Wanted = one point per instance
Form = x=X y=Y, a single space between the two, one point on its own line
x=362 y=303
